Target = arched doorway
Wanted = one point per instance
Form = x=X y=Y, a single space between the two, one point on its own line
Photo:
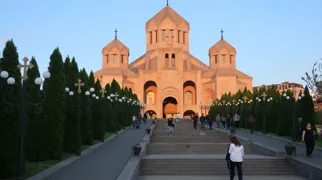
x=189 y=93
x=188 y=114
x=152 y=113
x=170 y=106
x=150 y=93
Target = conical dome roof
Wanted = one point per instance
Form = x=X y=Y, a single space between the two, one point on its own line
x=222 y=46
x=116 y=44
x=167 y=12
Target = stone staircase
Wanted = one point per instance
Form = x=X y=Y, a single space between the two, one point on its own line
x=214 y=166
x=190 y=148
x=188 y=152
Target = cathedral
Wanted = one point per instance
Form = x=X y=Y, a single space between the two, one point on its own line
x=168 y=78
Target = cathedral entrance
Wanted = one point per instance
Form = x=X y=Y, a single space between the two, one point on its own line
x=170 y=106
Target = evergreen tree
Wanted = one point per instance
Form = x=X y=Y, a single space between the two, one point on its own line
x=97 y=113
x=10 y=120
x=86 y=122
x=70 y=140
x=115 y=89
x=109 y=123
x=34 y=130
x=308 y=108
x=67 y=65
x=54 y=106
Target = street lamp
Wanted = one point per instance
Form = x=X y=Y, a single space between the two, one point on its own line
x=263 y=98
x=79 y=84
x=23 y=107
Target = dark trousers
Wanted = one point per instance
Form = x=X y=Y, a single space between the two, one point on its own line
x=237 y=124
x=218 y=125
x=238 y=165
x=194 y=125
x=309 y=147
x=210 y=125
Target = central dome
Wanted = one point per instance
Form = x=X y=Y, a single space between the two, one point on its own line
x=166 y=12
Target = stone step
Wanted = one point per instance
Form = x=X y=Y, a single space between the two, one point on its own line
x=192 y=148
x=214 y=167
x=173 y=139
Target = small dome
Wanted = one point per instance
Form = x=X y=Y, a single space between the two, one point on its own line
x=116 y=44
x=222 y=47
x=167 y=12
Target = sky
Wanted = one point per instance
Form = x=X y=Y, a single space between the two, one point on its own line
x=276 y=40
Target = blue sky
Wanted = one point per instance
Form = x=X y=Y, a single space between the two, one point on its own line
x=276 y=40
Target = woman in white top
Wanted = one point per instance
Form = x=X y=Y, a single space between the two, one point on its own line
x=236 y=152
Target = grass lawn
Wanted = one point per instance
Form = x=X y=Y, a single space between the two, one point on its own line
x=33 y=168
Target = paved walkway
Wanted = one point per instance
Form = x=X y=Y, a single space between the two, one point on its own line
x=279 y=145
x=107 y=162
x=219 y=177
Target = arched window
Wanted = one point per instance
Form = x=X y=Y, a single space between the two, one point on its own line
x=188 y=97
x=173 y=57
x=166 y=56
x=216 y=59
x=150 y=97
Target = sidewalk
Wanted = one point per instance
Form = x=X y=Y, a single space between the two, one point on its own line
x=279 y=145
x=220 y=177
x=107 y=162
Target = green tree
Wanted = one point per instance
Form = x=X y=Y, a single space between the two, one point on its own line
x=115 y=89
x=109 y=123
x=54 y=106
x=70 y=140
x=34 y=130
x=97 y=112
x=9 y=123
x=308 y=108
x=86 y=122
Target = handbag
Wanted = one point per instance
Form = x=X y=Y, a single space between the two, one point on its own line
x=228 y=159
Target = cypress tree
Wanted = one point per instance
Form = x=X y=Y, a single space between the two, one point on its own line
x=54 y=106
x=109 y=123
x=86 y=122
x=308 y=108
x=34 y=130
x=10 y=120
x=97 y=110
x=115 y=88
x=69 y=143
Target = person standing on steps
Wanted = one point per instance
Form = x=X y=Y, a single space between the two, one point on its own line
x=178 y=117
x=209 y=120
x=308 y=138
x=170 y=126
x=218 y=120
x=202 y=122
x=195 y=121
x=236 y=120
x=236 y=154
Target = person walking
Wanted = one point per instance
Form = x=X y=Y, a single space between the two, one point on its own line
x=236 y=154
x=202 y=122
x=177 y=117
x=308 y=138
x=301 y=128
x=209 y=120
x=218 y=120
x=170 y=126
x=236 y=119
x=133 y=120
x=195 y=121
x=228 y=121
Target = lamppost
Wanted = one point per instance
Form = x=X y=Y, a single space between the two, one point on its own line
x=23 y=107
x=79 y=84
x=265 y=100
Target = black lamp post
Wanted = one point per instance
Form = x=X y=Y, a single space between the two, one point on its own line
x=23 y=108
x=263 y=98
x=79 y=84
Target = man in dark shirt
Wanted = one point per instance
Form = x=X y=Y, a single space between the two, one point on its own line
x=202 y=121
